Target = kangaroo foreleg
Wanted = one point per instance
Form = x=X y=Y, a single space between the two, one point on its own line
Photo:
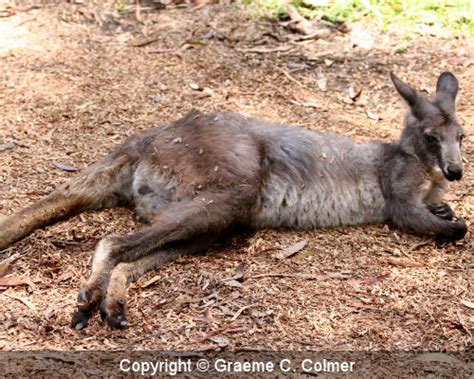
x=420 y=220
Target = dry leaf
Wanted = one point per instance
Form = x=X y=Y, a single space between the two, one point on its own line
x=232 y=283
x=310 y=104
x=221 y=341
x=404 y=262
x=237 y=278
x=194 y=42
x=5 y=265
x=239 y=312
x=64 y=276
x=13 y=281
x=207 y=92
x=7 y=145
x=372 y=116
x=204 y=348
x=328 y=62
x=318 y=34
x=354 y=92
x=264 y=50
x=196 y=94
x=292 y=250
x=21 y=300
x=467 y=303
x=144 y=42
x=321 y=80
x=153 y=280
x=65 y=167
x=369 y=280
x=298 y=23
x=239 y=272
x=260 y=314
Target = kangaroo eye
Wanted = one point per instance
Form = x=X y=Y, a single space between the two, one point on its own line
x=431 y=138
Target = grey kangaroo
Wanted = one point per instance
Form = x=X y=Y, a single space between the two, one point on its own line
x=196 y=178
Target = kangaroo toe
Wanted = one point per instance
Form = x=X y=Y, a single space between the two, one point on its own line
x=80 y=320
x=88 y=303
x=113 y=312
x=443 y=211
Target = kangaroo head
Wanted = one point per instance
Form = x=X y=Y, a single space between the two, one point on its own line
x=432 y=130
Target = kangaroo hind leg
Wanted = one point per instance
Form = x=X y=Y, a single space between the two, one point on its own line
x=210 y=214
x=113 y=306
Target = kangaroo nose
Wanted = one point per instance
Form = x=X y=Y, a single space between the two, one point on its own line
x=454 y=173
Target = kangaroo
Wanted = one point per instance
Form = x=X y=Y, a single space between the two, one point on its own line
x=194 y=179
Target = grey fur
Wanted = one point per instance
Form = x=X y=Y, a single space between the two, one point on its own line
x=317 y=179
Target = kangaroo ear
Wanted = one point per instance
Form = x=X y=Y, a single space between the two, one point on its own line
x=415 y=101
x=446 y=91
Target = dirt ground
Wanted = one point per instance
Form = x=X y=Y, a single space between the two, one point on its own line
x=76 y=81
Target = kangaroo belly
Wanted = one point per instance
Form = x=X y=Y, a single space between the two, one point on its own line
x=323 y=180
x=323 y=204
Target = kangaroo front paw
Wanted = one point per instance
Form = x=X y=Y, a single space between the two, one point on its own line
x=113 y=312
x=460 y=229
x=88 y=303
x=442 y=211
x=457 y=231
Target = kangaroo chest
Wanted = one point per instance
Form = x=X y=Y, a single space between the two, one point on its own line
x=433 y=187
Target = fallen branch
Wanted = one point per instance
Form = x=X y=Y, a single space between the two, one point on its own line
x=335 y=275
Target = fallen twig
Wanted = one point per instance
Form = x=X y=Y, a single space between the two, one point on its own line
x=239 y=312
x=21 y=300
x=143 y=43
x=162 y=51
x=263 y=50
x=305 y=104
x=318 y=34
x=290 y=77
x=418 y=245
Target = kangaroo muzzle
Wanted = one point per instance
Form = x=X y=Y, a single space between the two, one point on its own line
x=453 y=172
x=451 y=159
